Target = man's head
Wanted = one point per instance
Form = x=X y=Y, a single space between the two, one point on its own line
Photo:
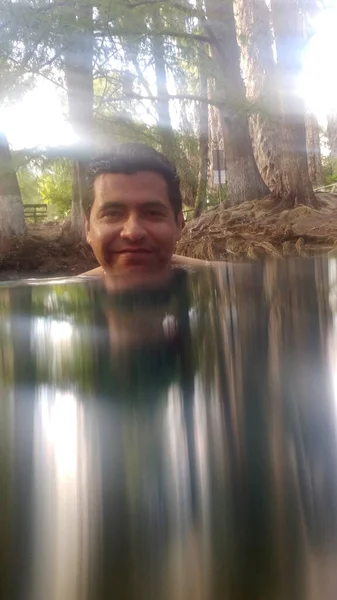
x=134 y=209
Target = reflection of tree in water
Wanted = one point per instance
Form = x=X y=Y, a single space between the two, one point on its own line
x=243 y=540
x=6 y=443
x=210 y=444
x=299 y=300
x=63 y=474
x=34 y=359
x=23 y=394
x=302 y=432
x=279 y=424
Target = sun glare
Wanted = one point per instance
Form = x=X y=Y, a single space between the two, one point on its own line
x=318 y=83
x=39 y=118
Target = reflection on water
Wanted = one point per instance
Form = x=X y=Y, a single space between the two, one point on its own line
x=173 y=443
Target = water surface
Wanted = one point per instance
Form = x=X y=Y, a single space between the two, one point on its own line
x=174 y=442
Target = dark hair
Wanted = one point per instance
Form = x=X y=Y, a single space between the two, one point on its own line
x=130 y=158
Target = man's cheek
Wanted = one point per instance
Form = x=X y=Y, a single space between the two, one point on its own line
x=103 y=235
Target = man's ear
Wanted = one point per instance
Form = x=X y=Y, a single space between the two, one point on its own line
x=87 y=231
x=180 y=224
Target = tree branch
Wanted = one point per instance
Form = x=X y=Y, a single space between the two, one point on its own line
x=191 y=97
x=116 y=32
x=177 y=5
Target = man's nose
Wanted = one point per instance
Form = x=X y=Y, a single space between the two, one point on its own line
x=133 y=229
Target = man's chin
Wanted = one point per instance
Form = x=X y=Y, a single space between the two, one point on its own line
x=135 y=276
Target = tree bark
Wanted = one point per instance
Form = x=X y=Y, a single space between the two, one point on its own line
x=79 y=48
x=12 y=218
x=258 y=65
x=243 y=177
x=201 y=197
x=295 y=187
x=216 y=141
x=163 y=104
x=314 y=150
x=332 y=135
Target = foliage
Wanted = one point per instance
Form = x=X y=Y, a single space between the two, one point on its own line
x=216 y=197
x=329 y=170
x=55 y=186
x=29 y=186
x=39 y=38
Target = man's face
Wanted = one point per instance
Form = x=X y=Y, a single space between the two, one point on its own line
x=132 y=226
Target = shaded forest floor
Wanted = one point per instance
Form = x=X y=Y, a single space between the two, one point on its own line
x=248 y=231
x=47 y=250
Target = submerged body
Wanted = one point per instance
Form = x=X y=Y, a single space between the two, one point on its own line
x=167 y=441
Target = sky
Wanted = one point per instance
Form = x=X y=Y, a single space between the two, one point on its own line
x=39 y=119
x=319 y=83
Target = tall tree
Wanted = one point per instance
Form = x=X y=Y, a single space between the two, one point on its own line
x=203 y=59
x=313 y=150
x=258 y=63
x=78 y=68
x=294 y=187
x=332 y=134
x=243 y=177
x=163 y=105
x=216 y=141
x=12 y=219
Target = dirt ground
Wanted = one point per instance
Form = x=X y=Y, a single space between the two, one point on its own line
x=47 y=250
x=246 y=232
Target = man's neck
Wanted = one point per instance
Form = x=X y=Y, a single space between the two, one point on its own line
x=183 y=261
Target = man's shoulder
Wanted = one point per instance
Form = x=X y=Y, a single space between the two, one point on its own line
x=179 y=260
x=97 y=272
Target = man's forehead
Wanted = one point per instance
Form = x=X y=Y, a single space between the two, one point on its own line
x=115 y=184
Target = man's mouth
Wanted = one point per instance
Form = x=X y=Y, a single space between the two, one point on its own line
x=134 y=251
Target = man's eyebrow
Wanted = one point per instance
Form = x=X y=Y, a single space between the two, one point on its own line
x=110 y=204
x=154 y=204
x=113 y=203
x=147 y=204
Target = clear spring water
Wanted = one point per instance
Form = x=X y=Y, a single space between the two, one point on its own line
x=174 y=442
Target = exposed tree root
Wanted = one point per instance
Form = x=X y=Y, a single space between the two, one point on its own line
x=262 y=228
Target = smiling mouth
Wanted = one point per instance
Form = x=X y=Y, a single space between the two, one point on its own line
x=134 y=251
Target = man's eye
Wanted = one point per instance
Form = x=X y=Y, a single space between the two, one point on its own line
x=113 y=213
x=153 y=212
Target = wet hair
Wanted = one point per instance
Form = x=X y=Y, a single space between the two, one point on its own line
x=129 y=158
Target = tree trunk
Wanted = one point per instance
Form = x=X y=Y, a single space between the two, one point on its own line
x=243 y=177
x=201 y=197
x=295 y=187
x=163 y=104
x=79 y=48
x=12 y=218
x=332 y=135
x=78 y=191
x=203 y=170
x=314 y=150
x=216 y=141
x=258 y=65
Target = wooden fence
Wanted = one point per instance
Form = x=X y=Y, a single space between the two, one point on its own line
x=329 y=189
x=35 y=212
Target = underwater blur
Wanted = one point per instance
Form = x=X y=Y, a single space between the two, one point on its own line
x=175 y=440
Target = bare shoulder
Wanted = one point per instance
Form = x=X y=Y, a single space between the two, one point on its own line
x=194 y=262
x=97 y=272
x=186 y=260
